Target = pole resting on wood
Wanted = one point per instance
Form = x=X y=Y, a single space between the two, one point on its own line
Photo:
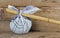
x=34 y=17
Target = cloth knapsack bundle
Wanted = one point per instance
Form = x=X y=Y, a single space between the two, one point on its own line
x=20 y=24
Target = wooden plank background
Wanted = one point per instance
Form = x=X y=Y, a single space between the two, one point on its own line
x=31 y=35
x=50 y=9
x=29 y=2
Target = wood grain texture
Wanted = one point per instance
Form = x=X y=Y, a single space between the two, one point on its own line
x=45 y=2
x=29 y=2
x=4 y=26
x=30 y=35
x=5 y=3
x=1 y=13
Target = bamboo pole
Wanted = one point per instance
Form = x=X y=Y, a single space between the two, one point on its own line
x=35 y=17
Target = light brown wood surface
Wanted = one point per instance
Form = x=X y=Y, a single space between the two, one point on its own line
x=4 y=26
x=1 y=13
x=5 y=3
x=30 y=35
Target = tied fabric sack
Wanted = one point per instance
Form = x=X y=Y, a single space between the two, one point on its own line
x=21 y=24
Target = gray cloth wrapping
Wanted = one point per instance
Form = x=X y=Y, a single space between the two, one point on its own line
x=20 y=24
